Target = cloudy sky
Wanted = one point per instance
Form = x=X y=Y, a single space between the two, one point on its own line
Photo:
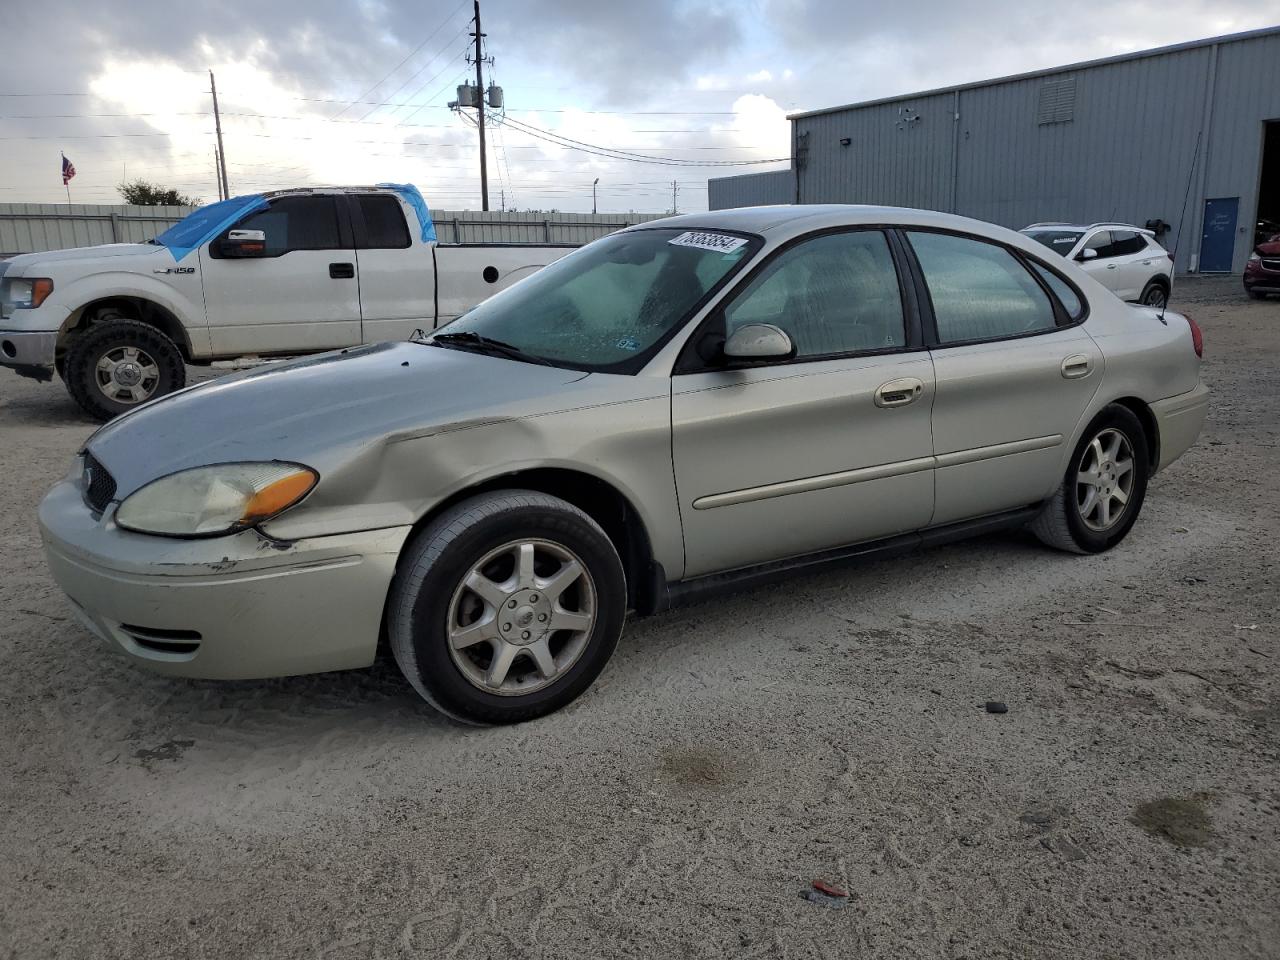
x=355 y=91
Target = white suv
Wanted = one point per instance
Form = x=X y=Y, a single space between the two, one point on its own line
x=1125 y=259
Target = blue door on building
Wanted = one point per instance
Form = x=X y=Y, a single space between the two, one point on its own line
x=1218 y=243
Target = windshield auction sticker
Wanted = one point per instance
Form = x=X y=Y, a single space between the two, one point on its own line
x=708 y=241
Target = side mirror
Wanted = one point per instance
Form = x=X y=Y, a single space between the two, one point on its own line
x=755 y=342
x=1088 y=253
x=244 y=243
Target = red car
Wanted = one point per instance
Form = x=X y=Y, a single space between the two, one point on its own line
x=1262 y=272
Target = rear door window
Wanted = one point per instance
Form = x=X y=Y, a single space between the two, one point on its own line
x=384 y=223
x=1126 y=242
x=979 y=290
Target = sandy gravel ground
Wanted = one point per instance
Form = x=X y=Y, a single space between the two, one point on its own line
x=1127 y=805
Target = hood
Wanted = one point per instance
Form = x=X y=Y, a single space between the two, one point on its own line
x=17 y=265
x=1269 y=249
x=324 y=410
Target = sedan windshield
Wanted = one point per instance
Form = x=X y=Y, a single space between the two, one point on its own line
x=609 y=306
x=1060 y=241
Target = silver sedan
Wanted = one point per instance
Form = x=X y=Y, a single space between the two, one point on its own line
x=686 y=405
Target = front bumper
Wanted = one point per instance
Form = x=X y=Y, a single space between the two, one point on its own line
x=28 y=350
x=236 y=607
x=1179 y=421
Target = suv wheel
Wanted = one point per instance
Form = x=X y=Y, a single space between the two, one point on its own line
x=1103 y=489
x=506 y=607
x=115 y=366
x=1154 y=294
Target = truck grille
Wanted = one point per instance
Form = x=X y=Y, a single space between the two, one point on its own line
x=99 y=485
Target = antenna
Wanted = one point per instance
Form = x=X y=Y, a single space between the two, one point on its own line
x=1182 y=217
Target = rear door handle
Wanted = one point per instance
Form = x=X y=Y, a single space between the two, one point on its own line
x=342 y=271
x=898 y=393
x=1112 y=266
x=1076 y=367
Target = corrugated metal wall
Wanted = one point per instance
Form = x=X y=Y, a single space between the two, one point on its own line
x=33 y=227
x=471 y=226
x=1126 y=154
x=751 y=189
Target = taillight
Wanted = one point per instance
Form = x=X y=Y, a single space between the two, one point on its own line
x=1197 y=338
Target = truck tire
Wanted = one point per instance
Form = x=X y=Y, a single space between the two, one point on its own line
x=115 y=366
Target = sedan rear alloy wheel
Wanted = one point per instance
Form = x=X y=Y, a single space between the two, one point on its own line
x=1104 y=482
x=1104 y=486
x=521 y=617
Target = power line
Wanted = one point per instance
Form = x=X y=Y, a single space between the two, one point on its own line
x=415 y=75
x=411 y=55
x=619 y=154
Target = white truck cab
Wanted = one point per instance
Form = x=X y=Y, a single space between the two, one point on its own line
x=275 y=274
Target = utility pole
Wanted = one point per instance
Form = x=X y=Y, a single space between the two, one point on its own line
x=217 y=125
x=674 y=208
x=217 y=178
x=480 y=93
x=502 y=195
x=593 y=194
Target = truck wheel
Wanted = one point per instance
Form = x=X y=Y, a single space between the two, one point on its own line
x=115 y=366
x=506 y=607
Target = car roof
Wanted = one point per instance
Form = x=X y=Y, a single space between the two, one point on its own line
x=294 y=191
x=785 y=220
x=1114 y=224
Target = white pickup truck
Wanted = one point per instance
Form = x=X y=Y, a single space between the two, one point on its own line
x=277 y=274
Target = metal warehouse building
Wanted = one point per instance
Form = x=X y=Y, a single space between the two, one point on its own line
x=1128 y=138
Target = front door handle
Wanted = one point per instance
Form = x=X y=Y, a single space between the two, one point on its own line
x=1112 y=266
x=898 y=393
x=342 y=271
x=1075 y=367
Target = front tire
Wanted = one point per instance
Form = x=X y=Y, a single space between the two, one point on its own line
x=506 y=607
x=115 y=366
x=1103 y=489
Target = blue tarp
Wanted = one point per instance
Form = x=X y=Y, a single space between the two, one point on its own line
x=202 y=225
x=413 y=197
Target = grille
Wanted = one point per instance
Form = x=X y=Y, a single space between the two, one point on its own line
x=1271 y=264
x=99 y=485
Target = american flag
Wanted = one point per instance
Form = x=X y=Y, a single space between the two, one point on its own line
x=68 y=170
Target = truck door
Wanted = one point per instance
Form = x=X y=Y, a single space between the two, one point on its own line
x=397 y=270
x=300 y=295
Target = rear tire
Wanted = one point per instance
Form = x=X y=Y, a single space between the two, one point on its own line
x=1154 y=294
x=1103 y=489
x=506 y=607
x=116 y=366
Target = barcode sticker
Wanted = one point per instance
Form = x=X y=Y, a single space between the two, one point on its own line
x=719 y=242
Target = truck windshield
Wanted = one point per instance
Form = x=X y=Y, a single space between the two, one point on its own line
x=611 y=305
x=1060 y=241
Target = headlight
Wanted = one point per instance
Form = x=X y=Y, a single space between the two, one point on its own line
x=210 y=501
x=27 y=292
x=1255 y=255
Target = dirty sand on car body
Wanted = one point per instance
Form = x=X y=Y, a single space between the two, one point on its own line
x=1127 y=805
